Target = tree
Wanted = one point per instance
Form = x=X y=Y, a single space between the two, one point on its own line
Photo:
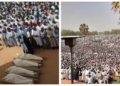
x=106 y=32
x=67 y=32
x=84 y=29
x=115 y=6
x=94 y=33
x=78 y=33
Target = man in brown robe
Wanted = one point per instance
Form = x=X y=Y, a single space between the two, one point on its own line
x=51 y=38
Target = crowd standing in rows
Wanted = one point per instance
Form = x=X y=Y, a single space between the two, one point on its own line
x=96 y=59
x=29 y=24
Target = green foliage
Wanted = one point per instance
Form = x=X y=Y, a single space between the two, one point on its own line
x=106 y=32
x=93 y=33
x=70 y=32
x=118 y=81
x=84 y=29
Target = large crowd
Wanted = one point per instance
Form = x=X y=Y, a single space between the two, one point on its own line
x=29 y=25
x=96 y=59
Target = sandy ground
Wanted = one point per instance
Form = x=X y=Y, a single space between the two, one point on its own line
x=50 y=69
x=69 y=82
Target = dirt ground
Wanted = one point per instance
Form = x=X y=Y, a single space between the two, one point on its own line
x=69 y=82
x=50 y=69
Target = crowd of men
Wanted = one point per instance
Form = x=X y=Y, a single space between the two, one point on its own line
x=29 y=25
x=96 y=59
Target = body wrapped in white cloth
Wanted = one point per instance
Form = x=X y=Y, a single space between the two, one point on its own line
x=29 y=56
x=20 y=71
x=25 y=63
x=17 y=79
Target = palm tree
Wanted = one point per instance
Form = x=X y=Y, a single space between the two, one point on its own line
x=115 y=6
x=84 y=30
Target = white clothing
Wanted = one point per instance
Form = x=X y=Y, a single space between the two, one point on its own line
x=37 y=39
x=19 y=71
x=21 y=32
x=16 y=34
x=28 y=34
x=17 y=79
x=62 y=73
x=83 y=75
x=10 y=34
x=69 y=73
x=100 y=81
x=38 y=27
x=80 y=77
x=36 y=32
x=25 y=63
x=89 y=80
x=29 y=56
x=86 y=73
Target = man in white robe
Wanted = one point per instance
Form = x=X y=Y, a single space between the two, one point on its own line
x=86 y=75
x=11 y=37
x=80 y=75
x=21 y=71
x=25 y=63
x=69 y=71
x=17 y=79
x=89 y=80
x=67 y=74
x=22 y=31
x=29 y=56
x=38 y=27
x=36 y=35
x=62 y=73
x=83 y=75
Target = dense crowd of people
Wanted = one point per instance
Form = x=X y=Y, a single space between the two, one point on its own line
x=96 y=59
x=29 y=25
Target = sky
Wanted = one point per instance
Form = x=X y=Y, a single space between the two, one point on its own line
x=97 y=15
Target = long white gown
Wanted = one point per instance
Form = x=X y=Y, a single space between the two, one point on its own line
x=29 y=56
x=25 y=63
x=17 y=79
x=19 y=71
x=69 y=73
x=37 y=39
x=80 y=77
x=83 y=75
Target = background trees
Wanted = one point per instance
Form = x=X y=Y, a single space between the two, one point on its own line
x=66 y=32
